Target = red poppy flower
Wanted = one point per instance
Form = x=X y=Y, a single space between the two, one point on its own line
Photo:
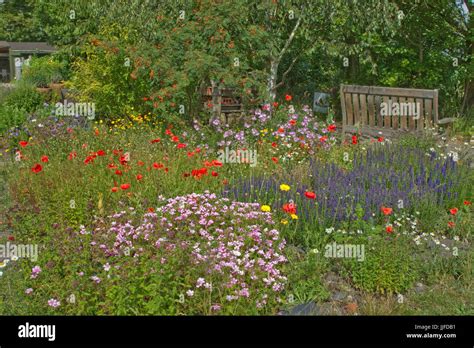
x=118 y=172
x=275 y=104
x=100 y=153
x=11 y=238
x=467 y=203
x=332 y=128
x=288 y=97
x=111 y=165
x=292 y=122
x=69 y=130
x=310 y=195
x=157 y=165
x=190 y=154
x=214 y=173
x=123 y=160
x=323 y=139
x=354 y=139
x=209 y=105
x=216 y=163
x=145 y=98
x=281 y=130
x=89 y=159
x=274 y=159
x=72 y=155
x=389 y=229
x=168 y=132
x=175 y=139
x=386 y=211
x=151 y=210
x=289 y=208
x=451 y=224
x=453 y=211
x=139 y=176
x=114 y=189
x=274 y=144
x=125 y=186
x=37 y=168
x=157 y=140
x=140 y=163
x=181 y=146
x=380 y=139
x=23 y=143
x=44 y=159
x=197 y=150
x=96 y=131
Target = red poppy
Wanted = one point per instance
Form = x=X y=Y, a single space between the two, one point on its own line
x=323 y=139
x=145 y=98
x=274 y=144
x=139 y=176
x=151 y=210
x=111 y=165
x=96 y=131
x=125 y=186
x=44 y=159
x=23 y=143
x=386 y=211
x=118 y=172
x=175 y=139
x=89 y=159
x=214 y=173
x=389 y=229
x=292 y=122
x=310 y=195
x=168 y=132
x=11 y=238
x=114 y=189
x=190 y=154
x=451 y=224
x=181 y=146
x=216 y=163
x=69 y=130
x=289 y=208
x=380 y=139
x=197 y=150
x=209 y=105
x=467 y=203
x=157 y=140
x=274 y=159
x=281 y=130
x=157 y=165
x=72 y=155
x=37 y=168
x=288 y=97
x=140 y=163
x=354 y=139
x=225 y=182
x=100 y=153
x=123 y=160
x=453 y=211
x=332 y=128
x=275 y=104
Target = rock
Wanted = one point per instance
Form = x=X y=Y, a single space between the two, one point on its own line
x=419 y=287
x=338 y=296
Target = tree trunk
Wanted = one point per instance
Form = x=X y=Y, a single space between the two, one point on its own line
x=273 y=79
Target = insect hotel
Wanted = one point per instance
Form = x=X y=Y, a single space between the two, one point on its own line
x=224 y=103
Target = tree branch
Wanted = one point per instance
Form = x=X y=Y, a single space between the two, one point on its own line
x=283 y=77
x=290 y=39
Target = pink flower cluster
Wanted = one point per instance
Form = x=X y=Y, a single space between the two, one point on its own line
x=221 y=244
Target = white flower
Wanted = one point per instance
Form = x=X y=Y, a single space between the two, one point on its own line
x=456 y=238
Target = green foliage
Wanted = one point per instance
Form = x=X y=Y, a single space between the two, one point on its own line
x=11 y=116
x=44 y=70
x=24 y=96
x=389 y=266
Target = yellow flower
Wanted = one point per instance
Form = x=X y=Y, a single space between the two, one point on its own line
x=284 y=187
x=284 y=221
x=294 y=216
x=265 y=208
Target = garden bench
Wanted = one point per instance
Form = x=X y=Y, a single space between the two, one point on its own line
x=376 y=111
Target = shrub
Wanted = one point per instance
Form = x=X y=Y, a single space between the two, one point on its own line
x=10 y=117
x=44 y=70
x=24 y=96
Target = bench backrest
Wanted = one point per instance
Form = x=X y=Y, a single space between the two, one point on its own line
x=364 y=109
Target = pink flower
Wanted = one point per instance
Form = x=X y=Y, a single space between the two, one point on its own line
x=200 y=282
x=28 y=291
x=54 y=303
x=35 y=271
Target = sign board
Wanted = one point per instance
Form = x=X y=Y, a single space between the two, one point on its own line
x=321 y=102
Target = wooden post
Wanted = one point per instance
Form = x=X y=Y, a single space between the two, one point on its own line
x=435 y=107
x=343 y=108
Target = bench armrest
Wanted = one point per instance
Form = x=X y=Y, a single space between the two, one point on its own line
x=446 y=120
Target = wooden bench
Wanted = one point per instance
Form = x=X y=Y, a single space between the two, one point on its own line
x=364 y=113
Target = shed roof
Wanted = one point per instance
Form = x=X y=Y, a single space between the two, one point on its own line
x=30 y=46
